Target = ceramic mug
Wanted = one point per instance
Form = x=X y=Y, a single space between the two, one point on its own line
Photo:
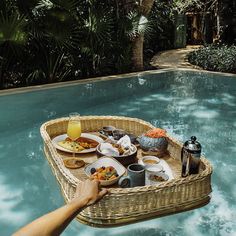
x=135 y=177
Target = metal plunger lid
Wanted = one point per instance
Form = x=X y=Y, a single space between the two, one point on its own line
x=192 y=144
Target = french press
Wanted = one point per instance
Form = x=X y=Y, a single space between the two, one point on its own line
x=190 y=157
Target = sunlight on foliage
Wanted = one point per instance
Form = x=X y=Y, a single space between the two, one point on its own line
x=11 y=28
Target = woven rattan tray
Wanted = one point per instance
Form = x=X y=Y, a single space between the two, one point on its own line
x=123 y=206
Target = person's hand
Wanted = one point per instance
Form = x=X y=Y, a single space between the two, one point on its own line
x=89 y=191
x=55 y=222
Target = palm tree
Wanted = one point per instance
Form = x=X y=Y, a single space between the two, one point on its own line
x=52 y=40
x=138 y=15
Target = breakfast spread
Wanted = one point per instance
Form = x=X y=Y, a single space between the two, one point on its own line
x=120 y=149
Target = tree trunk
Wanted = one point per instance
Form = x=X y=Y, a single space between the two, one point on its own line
x=145 y=7
x=137 y=53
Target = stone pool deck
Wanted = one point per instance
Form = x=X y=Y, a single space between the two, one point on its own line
x=175 y=58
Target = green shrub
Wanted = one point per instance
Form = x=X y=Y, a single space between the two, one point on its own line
x=214 y=57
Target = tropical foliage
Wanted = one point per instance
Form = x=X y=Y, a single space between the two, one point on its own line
x=45 y=41
x=161 y=36
x=216 y=58
x=182 y=6
x=227 y=21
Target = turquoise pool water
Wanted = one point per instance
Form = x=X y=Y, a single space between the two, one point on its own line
x=184 y=103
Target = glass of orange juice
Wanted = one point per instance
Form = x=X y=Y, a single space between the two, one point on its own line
x=74 y=128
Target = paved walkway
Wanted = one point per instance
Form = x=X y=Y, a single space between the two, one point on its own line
x=176 y=58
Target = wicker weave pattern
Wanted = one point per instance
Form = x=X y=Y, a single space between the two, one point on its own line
x=123 y=206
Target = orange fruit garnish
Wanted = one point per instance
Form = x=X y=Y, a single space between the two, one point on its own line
x=156 y=133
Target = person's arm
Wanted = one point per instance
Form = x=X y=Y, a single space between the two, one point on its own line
x=55 y=222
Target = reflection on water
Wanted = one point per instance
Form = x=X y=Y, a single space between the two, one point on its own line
x=9 y=200
x=185 y=104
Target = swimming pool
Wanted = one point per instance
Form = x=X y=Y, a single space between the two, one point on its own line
x=183 y=102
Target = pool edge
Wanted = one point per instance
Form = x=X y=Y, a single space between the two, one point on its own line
x=104 y=78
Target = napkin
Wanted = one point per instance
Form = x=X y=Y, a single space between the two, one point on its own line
x=125 y=142
x=108 y=150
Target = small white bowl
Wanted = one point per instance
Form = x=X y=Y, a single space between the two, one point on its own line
x=153 y=159
x=153 y=173
x=106 y=161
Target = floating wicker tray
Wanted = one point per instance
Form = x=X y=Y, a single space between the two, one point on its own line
x=124 y=206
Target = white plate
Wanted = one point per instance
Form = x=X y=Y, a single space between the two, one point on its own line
x=85 y=135
x=106 y=161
